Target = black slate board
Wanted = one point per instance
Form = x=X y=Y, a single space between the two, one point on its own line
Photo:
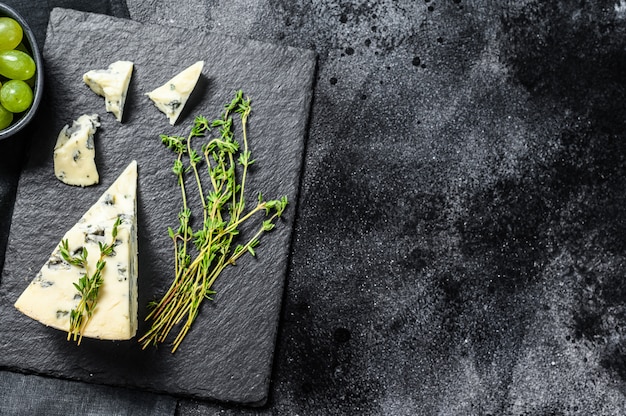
x=228 y=354
x=12 y=150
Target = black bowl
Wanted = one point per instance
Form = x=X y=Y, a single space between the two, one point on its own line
x=23 y=119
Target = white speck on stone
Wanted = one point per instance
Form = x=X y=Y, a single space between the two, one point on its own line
x=620 y=9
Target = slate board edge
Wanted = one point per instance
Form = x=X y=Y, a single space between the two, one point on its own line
x=243 y=41
x=308 y=108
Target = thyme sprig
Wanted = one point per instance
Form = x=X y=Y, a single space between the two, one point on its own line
x=88 y=286
x=78 y=258
x=201 y=254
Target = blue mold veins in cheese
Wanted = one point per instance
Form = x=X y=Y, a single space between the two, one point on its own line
x=74 y=152
x=111 y=83
x=172 y=96
x=51 y=295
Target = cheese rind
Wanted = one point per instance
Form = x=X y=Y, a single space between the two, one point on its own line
x=172 y=96
x=75 y=152
x=51 y=295
x=111 y=83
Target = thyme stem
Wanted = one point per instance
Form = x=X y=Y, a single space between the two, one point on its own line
x=88 y=286
x=223 y=213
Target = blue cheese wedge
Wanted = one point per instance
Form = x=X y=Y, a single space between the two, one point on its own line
x=172 y=96
x=75 y=152
x=51 y=296
x=112 y=84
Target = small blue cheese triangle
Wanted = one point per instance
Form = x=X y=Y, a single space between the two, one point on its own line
x=172 y=96
x=75 y=152
x=51 y=295
x=111 y=83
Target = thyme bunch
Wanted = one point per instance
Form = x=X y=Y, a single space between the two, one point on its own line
x=202 y=253
x=88 y=286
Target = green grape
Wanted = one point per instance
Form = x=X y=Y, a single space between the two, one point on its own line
x=6 y=118
x=16 y=96
x=11 y=33
x=16 y=65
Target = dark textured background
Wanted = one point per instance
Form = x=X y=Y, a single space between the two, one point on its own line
x=460 y=235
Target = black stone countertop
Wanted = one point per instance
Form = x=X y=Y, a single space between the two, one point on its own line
x=460 y=242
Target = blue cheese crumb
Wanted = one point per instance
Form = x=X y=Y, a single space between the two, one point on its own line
x=74 y=152
x=171 y=97
x=111 y=83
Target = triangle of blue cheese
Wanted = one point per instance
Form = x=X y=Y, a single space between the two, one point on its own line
x=112 y=84
x=172 y=96
x=51 y=296
x=75 y=152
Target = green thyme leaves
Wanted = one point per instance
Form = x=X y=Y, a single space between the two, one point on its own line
x=208 y=241
x=78 y=258
x=88 y=286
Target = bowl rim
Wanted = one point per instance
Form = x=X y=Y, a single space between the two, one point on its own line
x=29 y=36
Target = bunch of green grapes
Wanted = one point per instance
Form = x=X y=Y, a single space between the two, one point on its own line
x=17 y=68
